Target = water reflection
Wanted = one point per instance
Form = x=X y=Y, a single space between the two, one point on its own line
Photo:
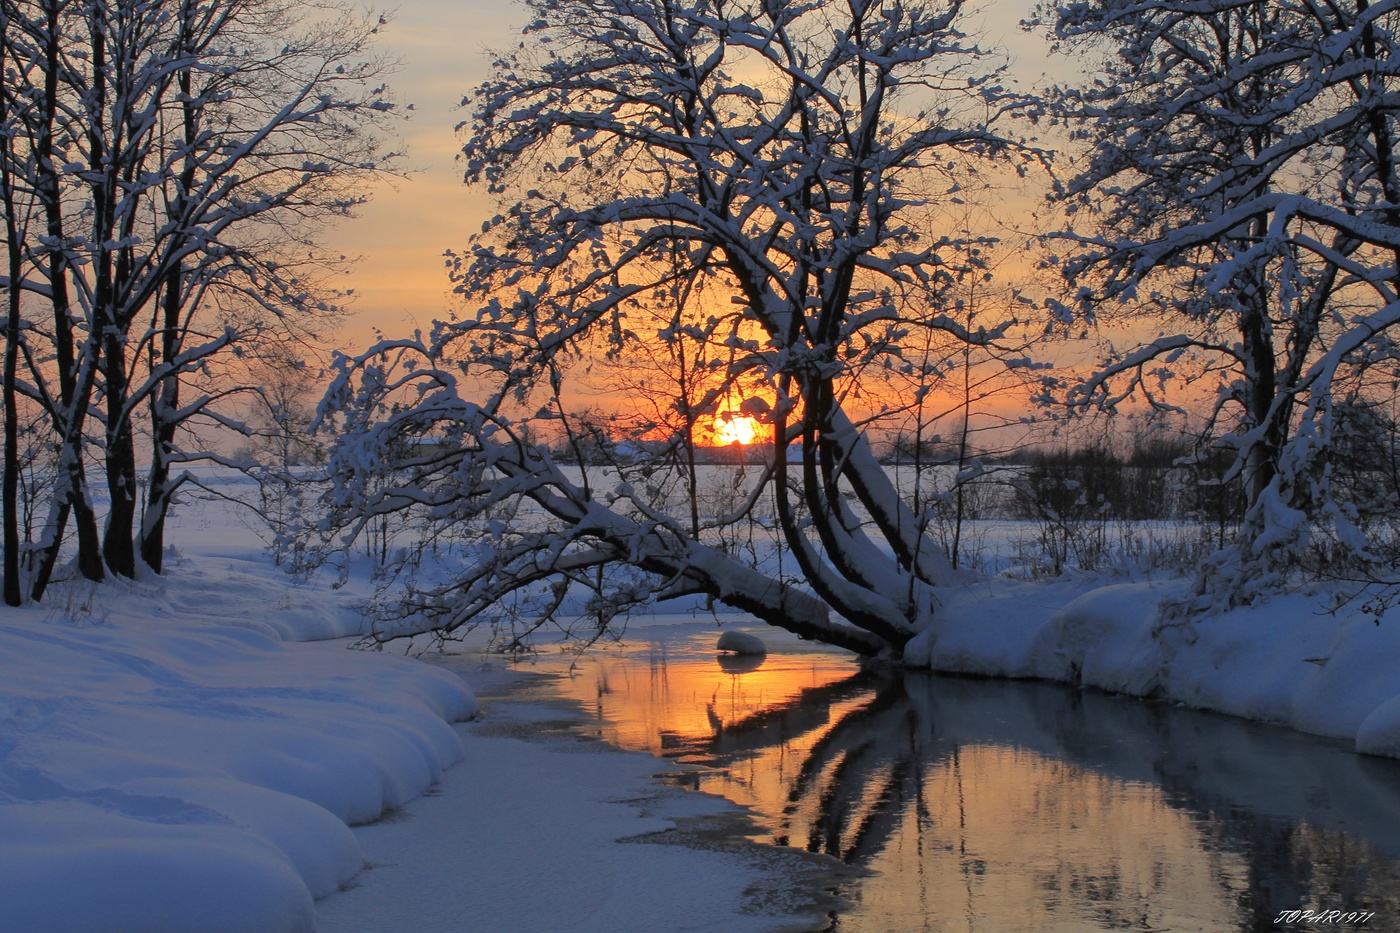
x=995 y=806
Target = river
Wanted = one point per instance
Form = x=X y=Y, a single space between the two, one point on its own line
x=1001 y=806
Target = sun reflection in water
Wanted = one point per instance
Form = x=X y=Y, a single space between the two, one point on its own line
x=940 y=788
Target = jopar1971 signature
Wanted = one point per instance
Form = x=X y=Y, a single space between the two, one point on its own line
x=1324 y=916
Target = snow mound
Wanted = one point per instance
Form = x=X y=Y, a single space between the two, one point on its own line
x=741 y=643
x=1288 y=661
x=157 y=775
x=251 y=593
x=989 y=628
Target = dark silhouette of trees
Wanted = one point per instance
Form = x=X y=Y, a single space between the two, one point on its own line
x=1239 y=192
x=791 y=157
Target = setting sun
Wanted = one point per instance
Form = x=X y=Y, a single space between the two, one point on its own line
x=735 y=429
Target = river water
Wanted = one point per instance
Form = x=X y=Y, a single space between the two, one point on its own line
x=996 y=806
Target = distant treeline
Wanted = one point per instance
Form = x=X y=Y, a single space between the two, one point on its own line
x=1159 y=479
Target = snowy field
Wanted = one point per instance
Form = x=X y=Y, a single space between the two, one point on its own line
x=200 y=752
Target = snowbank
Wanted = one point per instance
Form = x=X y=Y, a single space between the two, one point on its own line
x=1289 y=661
x=159 y=772
x=248 y=592
x=579 y=842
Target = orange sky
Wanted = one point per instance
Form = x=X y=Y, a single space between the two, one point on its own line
x=400 y=280
x=401 y=235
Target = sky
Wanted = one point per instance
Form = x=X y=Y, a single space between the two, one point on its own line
x=401 y=235
x=399 y=278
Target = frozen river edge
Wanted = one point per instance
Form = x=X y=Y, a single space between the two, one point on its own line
x=1308 y=660
x=172 y=759
x=571 y=833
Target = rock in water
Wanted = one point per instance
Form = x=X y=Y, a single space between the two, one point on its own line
x=739 y=643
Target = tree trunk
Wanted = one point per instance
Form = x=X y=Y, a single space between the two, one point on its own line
x=118 y=540
x=165 y=404
x=73 y=387
x=1262 y=461
x=71 y=499
x=14 y=248
x=118 y=548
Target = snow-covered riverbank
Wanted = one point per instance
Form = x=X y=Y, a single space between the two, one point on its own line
x=167 y=764
x=176 y=754
x=540 y=829
x=1289 y=661
x=171 y=761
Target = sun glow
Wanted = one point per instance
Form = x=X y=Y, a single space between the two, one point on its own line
x=735 y=429
x=740 y=416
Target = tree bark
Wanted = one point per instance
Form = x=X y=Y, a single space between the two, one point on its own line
x=14 y=253
x=166 y=402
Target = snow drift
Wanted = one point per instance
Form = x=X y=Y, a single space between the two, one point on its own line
x=1289 y=661
x=178 y=775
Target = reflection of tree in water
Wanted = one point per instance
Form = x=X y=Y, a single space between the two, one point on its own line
x=1293 y=865
x=857 y=778
x=890 y=745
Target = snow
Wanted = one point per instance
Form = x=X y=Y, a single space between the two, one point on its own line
x=741 y=643
x=554 y=812
x=1288 y=661
x=174 y=756
x=162 y=771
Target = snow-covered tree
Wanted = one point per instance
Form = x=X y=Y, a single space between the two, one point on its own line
x=179 y=157
x=1239 y=191
x=12 y=196
x=791 y=157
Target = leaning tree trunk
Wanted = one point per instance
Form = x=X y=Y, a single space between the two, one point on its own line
x=72 y=498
